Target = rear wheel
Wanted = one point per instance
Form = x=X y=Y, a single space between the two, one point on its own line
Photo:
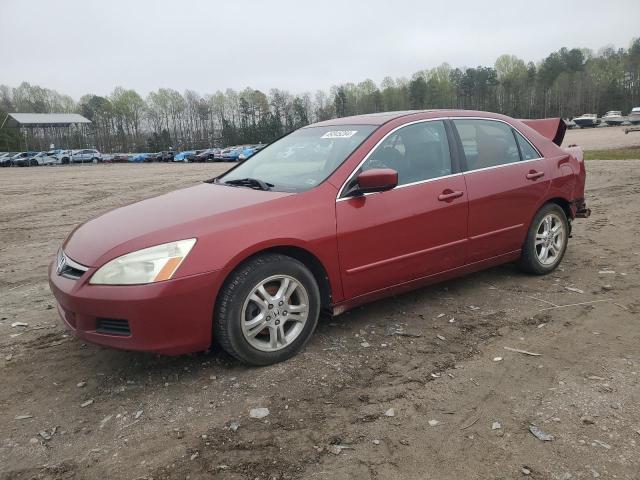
x=546 y=240
x=267 y=310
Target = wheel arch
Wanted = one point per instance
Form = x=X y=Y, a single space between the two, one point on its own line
x=564 y=204
x=303 y=255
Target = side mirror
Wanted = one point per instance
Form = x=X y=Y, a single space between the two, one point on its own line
x=374 y=180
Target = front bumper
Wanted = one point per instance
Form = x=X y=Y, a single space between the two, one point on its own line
x=171 y=317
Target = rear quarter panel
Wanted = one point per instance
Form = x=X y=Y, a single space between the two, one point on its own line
x=565 y=166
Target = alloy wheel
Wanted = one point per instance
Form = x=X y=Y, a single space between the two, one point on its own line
x=550 y=238
x=274 y=313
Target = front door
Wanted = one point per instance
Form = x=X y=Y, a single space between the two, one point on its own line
x=414 y=230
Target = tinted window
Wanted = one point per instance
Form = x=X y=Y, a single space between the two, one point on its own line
x=487 y=143
x=417 y=152
x=526 y=150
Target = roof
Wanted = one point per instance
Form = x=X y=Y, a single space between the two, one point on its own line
x=43 y=119
x=384 y=117
x=366 y=119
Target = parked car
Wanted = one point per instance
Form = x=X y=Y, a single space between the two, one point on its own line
x=26 y=160
x=231 y=154
x=207 y=155
x=5 y=158
x=370 y=206
x=44 y=158
x=119 y=157
x=166 y=156
x=218 y=155
x=250 y=151
x=192 y=158
x=184 y=156
x=58 y=157
x=40 y=158
x=140 y=157
x=21 y=159
x=86 y=155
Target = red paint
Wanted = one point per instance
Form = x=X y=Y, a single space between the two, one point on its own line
x=552 y=128
x=377 y=179
x=370 y=246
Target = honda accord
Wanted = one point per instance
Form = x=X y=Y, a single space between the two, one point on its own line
x=329 y=217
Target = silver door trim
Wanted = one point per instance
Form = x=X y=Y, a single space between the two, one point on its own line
x=339 y=197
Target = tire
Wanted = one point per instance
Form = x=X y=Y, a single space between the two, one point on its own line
x=237 y=306
x=33 y=163
x=64 y=161
x=533 y=259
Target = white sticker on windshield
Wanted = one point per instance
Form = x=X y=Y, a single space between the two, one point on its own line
x=340 y=134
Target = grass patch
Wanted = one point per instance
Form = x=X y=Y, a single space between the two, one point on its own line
x=613 y=154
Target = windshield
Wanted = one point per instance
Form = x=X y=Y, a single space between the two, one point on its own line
x=303 y=159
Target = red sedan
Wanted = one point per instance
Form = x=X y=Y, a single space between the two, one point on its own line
x=334 y=215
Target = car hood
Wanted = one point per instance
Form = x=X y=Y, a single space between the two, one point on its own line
x=186 y=213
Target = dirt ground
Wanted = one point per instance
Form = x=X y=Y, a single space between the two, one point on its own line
x=462 y=403
x=602 y=138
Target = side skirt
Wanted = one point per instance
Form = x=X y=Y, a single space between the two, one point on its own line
x=399 y=288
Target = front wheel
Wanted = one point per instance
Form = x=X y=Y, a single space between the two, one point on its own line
x=267 y=310
x=546 y=240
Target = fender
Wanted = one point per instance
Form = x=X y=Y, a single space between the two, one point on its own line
x=335 y=280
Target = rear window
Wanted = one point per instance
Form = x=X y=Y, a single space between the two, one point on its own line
x=487 y=143
x=526 y=150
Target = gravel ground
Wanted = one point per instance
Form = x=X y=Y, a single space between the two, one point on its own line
x=413 y=387
x=602 y=138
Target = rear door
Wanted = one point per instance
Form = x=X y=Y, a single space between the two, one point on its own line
x=414 y=230
x=506 y=181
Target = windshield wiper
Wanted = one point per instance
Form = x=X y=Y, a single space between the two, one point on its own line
x=251 y=183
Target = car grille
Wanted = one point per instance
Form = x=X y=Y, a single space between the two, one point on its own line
x=113 y=326
x=65 y=267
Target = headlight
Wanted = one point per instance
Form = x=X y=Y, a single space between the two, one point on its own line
x=149 y=265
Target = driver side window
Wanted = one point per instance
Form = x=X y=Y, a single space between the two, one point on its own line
x=417 y=152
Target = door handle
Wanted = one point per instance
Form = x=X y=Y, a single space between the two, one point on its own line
x=533 y=175
x=449 y=195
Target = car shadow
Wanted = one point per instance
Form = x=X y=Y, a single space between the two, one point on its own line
x=140 y=366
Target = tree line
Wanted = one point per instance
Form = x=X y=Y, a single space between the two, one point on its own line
x=566 y=83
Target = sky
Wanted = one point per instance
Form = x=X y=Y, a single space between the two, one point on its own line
x=91 y=46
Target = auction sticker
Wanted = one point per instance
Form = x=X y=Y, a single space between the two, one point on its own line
x=340 y=134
